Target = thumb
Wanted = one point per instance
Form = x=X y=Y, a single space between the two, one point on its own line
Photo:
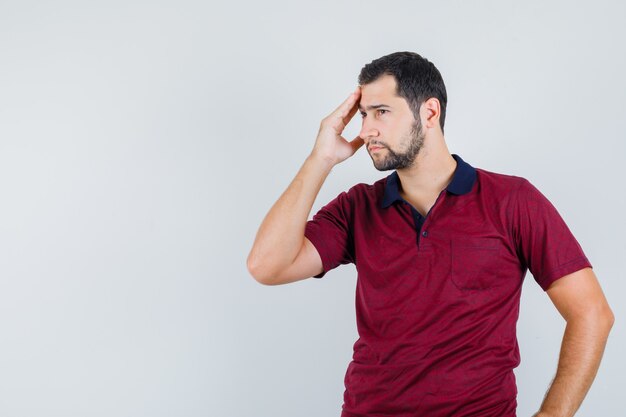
x=356 y=143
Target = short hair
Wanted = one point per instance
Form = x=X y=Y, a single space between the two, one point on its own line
x=417 y=80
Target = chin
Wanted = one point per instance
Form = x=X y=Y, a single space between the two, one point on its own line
x=383 y=167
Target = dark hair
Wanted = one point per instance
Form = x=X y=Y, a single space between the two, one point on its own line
x=417 y=80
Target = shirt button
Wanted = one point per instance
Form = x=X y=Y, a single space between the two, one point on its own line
x=424 y=233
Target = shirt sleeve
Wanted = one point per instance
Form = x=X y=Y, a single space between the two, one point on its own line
x=544 y=242
x=330 y=233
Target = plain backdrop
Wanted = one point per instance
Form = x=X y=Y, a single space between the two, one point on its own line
x=142 y=144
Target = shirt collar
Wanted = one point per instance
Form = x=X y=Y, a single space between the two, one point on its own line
x=462 y=182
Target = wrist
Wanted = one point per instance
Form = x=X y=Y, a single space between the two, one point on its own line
x=318 y=159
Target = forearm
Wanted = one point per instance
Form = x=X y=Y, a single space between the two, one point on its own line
x=581 y=351
x=281 y=233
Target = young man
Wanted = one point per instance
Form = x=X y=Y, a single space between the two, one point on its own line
x=441 y=249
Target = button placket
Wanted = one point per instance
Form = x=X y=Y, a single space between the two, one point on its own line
x=429 y=216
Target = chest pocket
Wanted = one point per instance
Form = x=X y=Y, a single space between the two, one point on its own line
x=475 y=263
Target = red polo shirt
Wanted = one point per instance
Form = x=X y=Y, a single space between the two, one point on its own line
x=437 y=298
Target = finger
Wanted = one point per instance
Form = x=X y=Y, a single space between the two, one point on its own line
x=355 y=107
x=344 y=108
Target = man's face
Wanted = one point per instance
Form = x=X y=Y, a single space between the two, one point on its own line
x=389 y=126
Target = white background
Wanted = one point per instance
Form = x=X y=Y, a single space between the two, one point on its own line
x=142 y=143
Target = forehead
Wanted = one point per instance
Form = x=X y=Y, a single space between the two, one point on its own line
x=381 y=91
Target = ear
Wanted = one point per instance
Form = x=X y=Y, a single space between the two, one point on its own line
x=430 y=112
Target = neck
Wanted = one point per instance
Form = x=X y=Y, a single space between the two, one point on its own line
x=431 y=171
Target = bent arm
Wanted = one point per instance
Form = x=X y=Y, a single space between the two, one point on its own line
x=281 y=234
x=280 y=252
x=581 y=302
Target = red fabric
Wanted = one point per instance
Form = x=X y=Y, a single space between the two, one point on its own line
x=437 y=304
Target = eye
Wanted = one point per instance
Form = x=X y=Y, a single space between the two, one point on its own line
x=380 y=111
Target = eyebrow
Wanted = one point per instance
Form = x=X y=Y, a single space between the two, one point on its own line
x=374 y=106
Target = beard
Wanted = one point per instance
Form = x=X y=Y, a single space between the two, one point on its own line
x=400 y=160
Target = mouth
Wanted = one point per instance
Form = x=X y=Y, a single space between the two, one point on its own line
x=375 y=148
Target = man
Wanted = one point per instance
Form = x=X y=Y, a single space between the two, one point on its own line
x=441 y=249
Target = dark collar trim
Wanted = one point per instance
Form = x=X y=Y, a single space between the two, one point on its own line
x=462 y=182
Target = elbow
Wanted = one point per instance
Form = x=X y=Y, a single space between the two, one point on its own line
x=599 y=317
x=604 y=319
x=258 y=273
x=253 y=269
x=605 y=316
x=609 y=318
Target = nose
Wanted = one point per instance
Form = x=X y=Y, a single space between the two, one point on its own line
x=368 y=131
